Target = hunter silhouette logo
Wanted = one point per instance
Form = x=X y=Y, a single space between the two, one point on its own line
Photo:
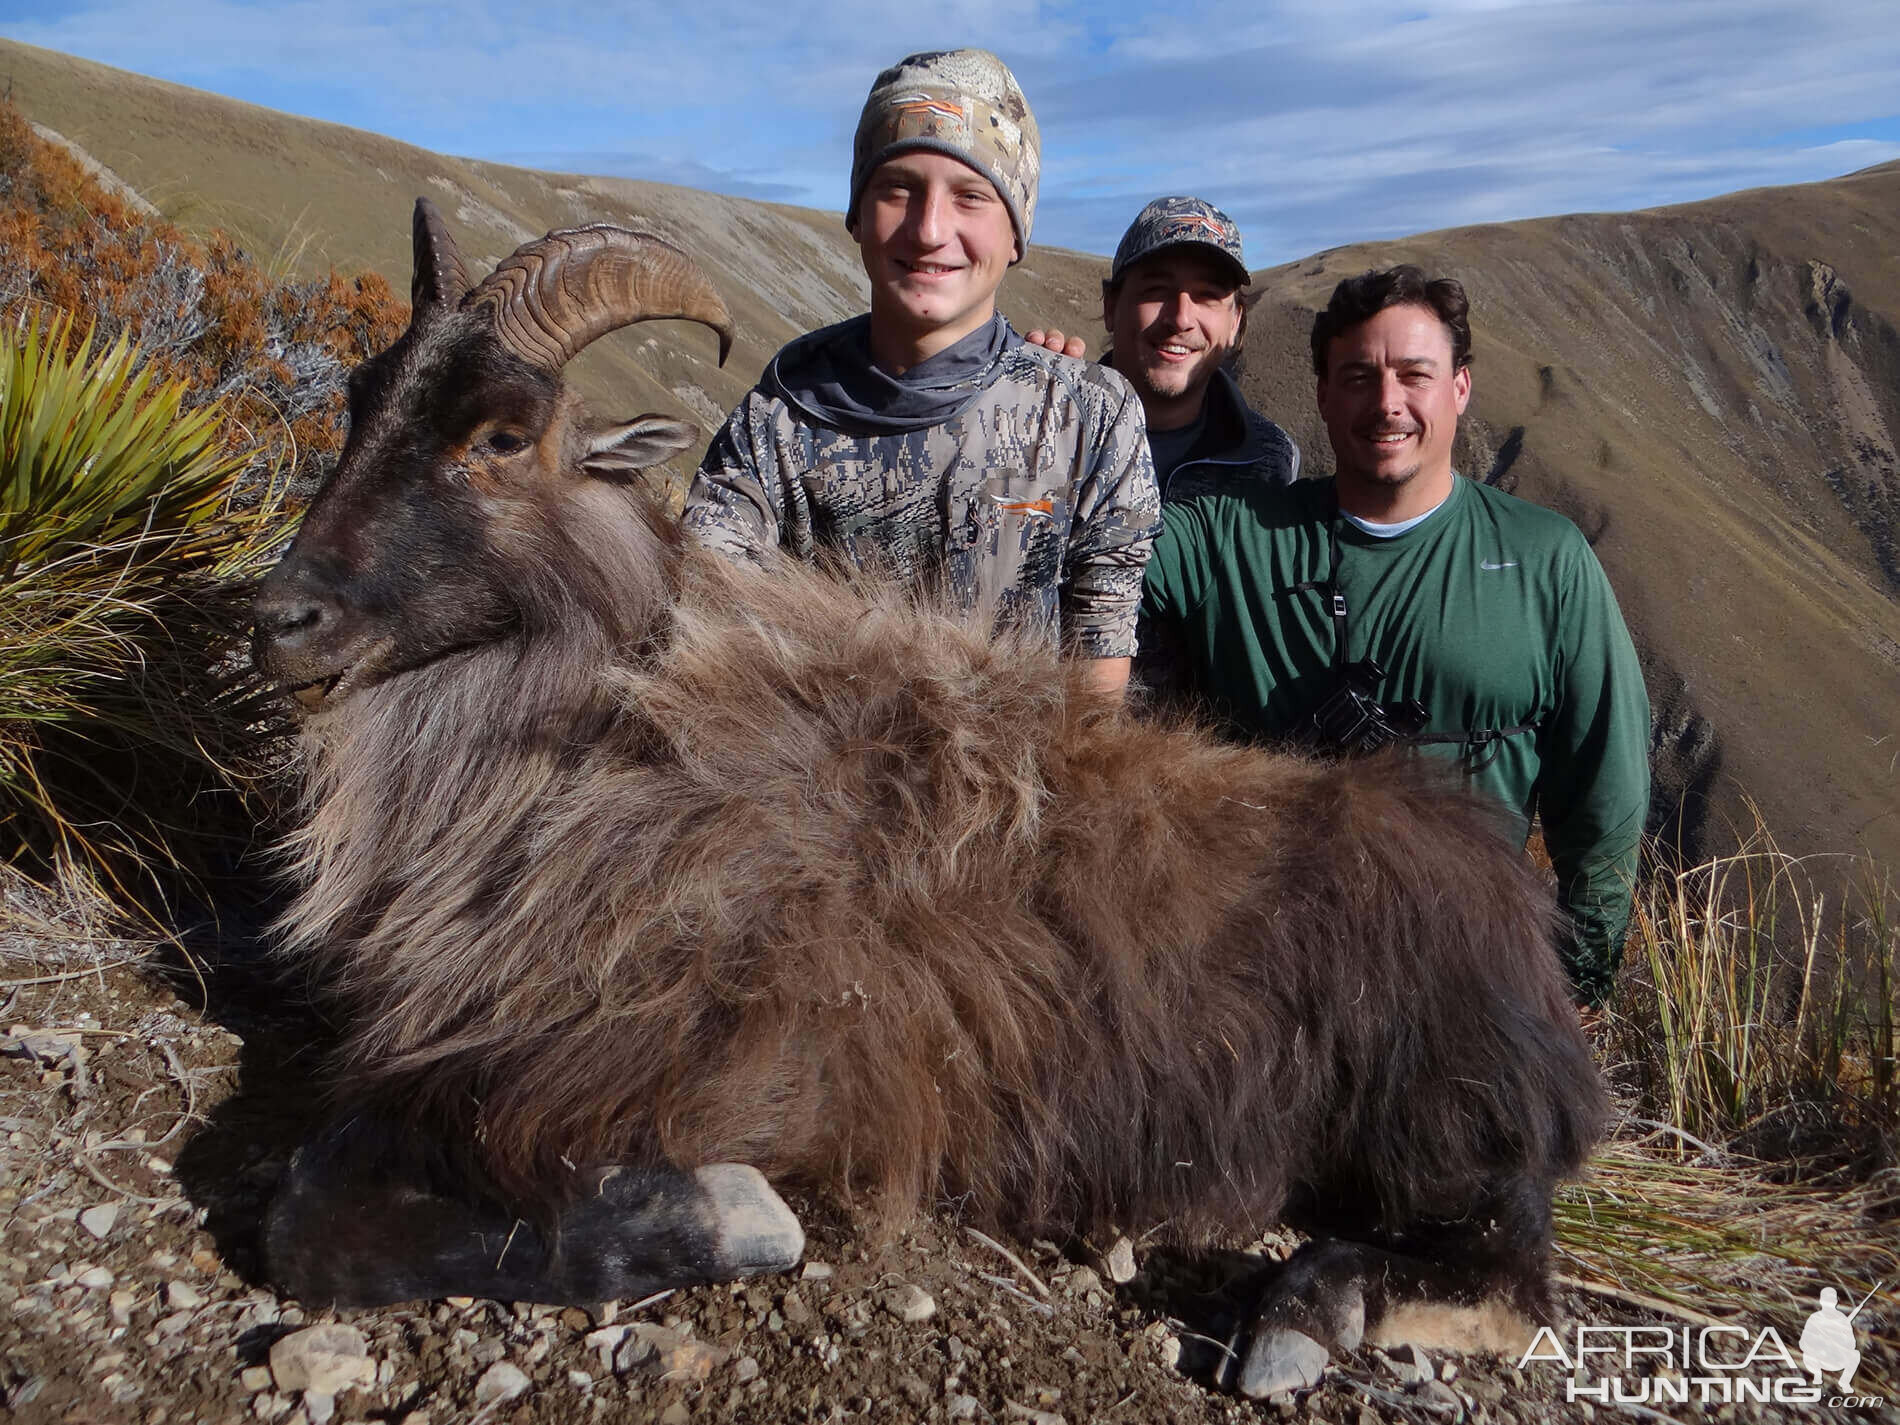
x=1827 y=1341
x=1712 y=1364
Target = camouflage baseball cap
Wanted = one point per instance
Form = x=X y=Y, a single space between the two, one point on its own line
x=960 y=102
x=1179 y=222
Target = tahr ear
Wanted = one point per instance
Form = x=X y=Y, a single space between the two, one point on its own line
x=620 y=450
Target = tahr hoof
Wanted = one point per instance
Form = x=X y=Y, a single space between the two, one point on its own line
x=756 y=1232
x=1280 y=1361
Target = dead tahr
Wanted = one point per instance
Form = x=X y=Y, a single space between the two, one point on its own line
x=644 y=885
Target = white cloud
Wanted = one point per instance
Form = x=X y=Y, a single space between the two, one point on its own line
x=1315 y=125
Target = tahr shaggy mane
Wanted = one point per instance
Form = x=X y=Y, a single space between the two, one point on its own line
x=645 y=885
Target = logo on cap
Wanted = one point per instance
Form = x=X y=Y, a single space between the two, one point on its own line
x=1187 y=223
x=928 y=109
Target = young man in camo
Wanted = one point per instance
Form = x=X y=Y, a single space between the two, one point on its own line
x=927 y=438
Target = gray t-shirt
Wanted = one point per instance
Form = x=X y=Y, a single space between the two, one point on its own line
x=1171 y=447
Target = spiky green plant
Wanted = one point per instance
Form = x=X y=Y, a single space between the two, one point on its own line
x=121 y=556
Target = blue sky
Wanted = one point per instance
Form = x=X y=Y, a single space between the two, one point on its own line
x=1314 y=124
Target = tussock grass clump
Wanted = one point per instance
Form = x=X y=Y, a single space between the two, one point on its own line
x=164 y=400
x=1698 y=1242
x=1753 y=1040
x=123 y=553
x=1759 y=1015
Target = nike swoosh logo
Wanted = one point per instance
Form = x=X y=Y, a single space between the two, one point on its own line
x=1487 y=564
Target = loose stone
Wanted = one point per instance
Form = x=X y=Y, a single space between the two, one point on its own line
x=324 y=1359
x=1121 y=1261
x=909 y=1303
x=1438 y=1393
x=1279 y=1361
x=691 y=1360
x=486 y=1353
x=647 y=1342
x=1406 y=1361
x=605 y=1343
x=500 y=1382
x=98 y=1220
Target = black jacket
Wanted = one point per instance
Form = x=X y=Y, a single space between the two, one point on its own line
x=1239 y=442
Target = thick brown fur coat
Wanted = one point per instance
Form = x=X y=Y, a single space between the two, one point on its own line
x=718 y=865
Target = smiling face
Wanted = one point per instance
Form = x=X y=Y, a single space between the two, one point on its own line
x=936 y=239
x=1173 y=319
x=1391 y=399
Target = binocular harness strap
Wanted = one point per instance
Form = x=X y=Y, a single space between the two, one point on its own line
x=1481 y=745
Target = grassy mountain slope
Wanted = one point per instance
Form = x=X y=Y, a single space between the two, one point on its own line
x=1711 y=391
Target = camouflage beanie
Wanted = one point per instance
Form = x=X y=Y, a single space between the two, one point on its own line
x=960 y=102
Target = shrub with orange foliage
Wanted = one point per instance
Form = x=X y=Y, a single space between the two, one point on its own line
x=147 y=767
x=275 y=353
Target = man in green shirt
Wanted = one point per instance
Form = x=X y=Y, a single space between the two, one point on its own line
x=1401 y=601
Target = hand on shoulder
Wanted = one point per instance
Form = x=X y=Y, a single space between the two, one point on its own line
x=1053 y=339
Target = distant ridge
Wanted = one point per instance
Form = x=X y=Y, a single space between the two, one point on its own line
x=1712 y=391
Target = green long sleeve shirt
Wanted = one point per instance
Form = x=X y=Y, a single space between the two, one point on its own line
x=1492 y=612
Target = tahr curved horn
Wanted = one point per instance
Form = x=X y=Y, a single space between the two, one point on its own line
x=440 y=279
x=557 y=294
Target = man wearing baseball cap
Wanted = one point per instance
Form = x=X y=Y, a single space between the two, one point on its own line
x=1175 y=305
x=927 y=438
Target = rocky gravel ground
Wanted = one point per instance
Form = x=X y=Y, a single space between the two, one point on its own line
x=147 y=1105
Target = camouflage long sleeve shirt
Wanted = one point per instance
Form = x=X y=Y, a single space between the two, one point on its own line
x=1036 y=499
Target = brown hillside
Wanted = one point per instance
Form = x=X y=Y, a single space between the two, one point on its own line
x=1711 y=391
